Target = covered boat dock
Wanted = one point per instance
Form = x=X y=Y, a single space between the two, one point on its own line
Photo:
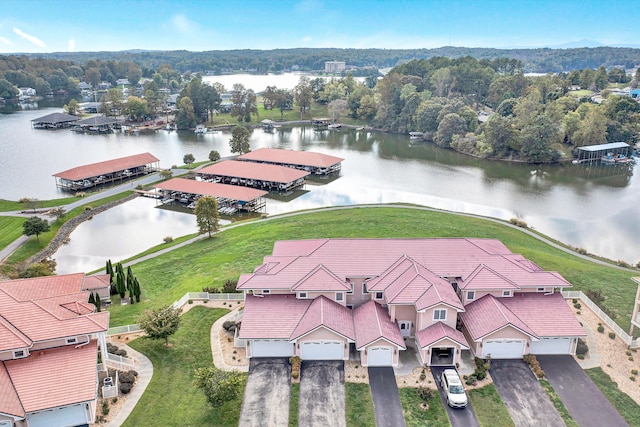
x=107 y=172
x=54 y=121
x=309 y=161
x=256 y=175
x=615 y=152
x=231 y=198
x=97 y=124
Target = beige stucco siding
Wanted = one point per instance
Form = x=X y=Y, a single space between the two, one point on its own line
x=380 y=343
x=323 y=334
x=425 y=319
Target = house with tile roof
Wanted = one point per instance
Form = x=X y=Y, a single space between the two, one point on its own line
x=49 y=341
x=327 y=299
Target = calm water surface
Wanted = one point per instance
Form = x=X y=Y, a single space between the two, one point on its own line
x=592 y=208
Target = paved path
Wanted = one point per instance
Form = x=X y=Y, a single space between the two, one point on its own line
x=386 y=400
x=267 y=394
x=145 y=373
x=458 y=417
x=322 y=394
x=216 y=348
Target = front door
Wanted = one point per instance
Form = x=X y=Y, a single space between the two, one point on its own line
x=405 y=327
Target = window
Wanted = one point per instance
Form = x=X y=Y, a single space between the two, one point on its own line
x=440 y=314
x=19 y=353
x=364 y=288
x=541 y=289
x=471 y=295
x=506 y=293
x=72 y=340
x=350 y=306
x=350 y=291
x=378 y=295
x=302 y=295
x=266 y=291
x=339 y=296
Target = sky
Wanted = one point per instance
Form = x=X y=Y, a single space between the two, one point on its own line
x=31 y=26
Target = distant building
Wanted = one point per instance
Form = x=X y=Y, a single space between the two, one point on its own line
x=120 y=82
x=84 y=86
x=104 y=86
x=634 y=93
x=334 y=66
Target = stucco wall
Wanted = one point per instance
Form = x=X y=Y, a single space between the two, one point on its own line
x=426 y=318
x=381 y=343
x=323 y=334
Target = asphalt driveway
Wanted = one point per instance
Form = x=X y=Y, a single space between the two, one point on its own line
x=527 y=402
x=266 y=396
x=386 y=400
x=583 y=399
x=458 y=417
x=321 y=400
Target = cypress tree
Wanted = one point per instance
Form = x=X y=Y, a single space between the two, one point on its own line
x=98 y=302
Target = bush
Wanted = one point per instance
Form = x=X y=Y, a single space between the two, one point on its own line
x=229 y=286
x=582 y=347
x=632 y=378
x=601 y=329
x=111 y=348
x=580 y=356
x=612 y=335
x=423 y=376
x=634 y=372
x=128 y=377
x=577 y=305
x=211 y=290
x=121 y=352
x=230 y=325
x=595 y=296
x=532 y=361
x=87 y=208
x=518 y=223
x=425 y=394
x=105 y=408
x=190 y=301
x=295 y=366
x=125 y=388
x=168 y=239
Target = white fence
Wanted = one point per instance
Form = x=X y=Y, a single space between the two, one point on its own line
x=120 y=362
x=126 y=329
x=603 y=316
x=110 y=390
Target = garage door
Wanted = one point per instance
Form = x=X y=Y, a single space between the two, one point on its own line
x=322 y=350
x=271 y=348
x=380 y=356
x=551 y=346
x=503 y=349
x=68 y=416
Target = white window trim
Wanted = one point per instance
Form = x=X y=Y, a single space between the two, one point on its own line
x=471 y=295
x=350 y=291
x=364 y=288
x=379 y=297
x=72 y=340
x=506 y=293
x=541 y=289
x=16 y=355
x=266 y=291
x=302 y=295
x=439 y=310
x=341 y=296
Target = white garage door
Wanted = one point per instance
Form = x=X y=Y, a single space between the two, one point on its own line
x=551 y=346
x=271 y=348
x=69 y=416
x=380 y=356
x=503 y=349
x=322 y=350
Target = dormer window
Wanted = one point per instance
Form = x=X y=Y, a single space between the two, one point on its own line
x=378 y=295
x=302 y=295
x=19 y=353
x=471 y=295
x=440 y=314
x=339 y=296
x=506 y=293
x=72 y=340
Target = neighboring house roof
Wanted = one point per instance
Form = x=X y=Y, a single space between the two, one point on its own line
x=484 y=277
x=320 y=279
x=98 y=281
x=97 y=121
x=323 y=312
x=437 y=332
x=54 y=377
x=488 y=315
x=372 y=323
x=39 y=287
x=55 y=118
x=546 y=315
x=9 y=401
x=271 y=316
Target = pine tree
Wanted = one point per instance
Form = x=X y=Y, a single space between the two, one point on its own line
x=137 y=292
x=92 y=299
x=98 y=303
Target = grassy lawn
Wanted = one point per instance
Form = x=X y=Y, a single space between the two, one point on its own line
x=358 y=406
x=10 y=205
x=555 y=399
x=625 y=405
x=293 y=405
x=489 y=408
x=10 y=229
x=209 y=262
x=170 y=398
x=415 y=416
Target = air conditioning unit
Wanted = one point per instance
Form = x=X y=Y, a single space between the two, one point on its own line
x=108 y=381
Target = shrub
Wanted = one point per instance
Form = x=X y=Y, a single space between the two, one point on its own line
x=229 y=286
x=632 y=378
x=601 y=329
x=211 y=290
x=87 y=208
x=121 y=352
x=518 y=223
x=168 y=239
x=577 y=305
x=631 y=358
x=128 y=377
x=634 y=372
x=425 y=394
x=423 y=376
x=595 y=296
x=580 y=356
x=532 y=361
x=229 y=325
x=582 y=347
x=190 y=301
x=295 y=366
x=125 y=388
x=612 y=335
x=105 y=408
x=114 y=400
x=628 y=353
x=575 y=301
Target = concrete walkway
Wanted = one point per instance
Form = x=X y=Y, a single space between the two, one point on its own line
x=593 y=355
x=216 y=348
x=145 y=373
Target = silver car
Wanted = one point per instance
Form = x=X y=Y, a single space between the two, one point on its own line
x=453 y=389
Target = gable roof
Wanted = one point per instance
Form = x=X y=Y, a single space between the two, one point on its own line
x=323 y=312
x=546 y=315
x=107 y=167
x=484 y=277
x=437 y=332
x=372 y=322
x=256 y=171
x=97 y=281
x=271 y=316
x=320 y=279
x=9 y=401
x=488 y=315
x=299 y=158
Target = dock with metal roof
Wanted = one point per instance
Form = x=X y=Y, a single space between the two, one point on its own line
x=614 y=152
x=310 y=161
x=97 y=125
x=262 y=176
x=54 y=121
x=111 y=171
x=231 y=198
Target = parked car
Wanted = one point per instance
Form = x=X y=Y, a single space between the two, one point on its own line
x=453 y=389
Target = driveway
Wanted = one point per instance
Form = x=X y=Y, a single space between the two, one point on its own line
x=266 y=396
x=527 y=402
x=458 y=417
x=321 y=400
x=386 y=400
x=583 y=399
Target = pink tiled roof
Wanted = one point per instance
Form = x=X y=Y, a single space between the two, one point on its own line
x=437 y=332
x=546 y=315
x=55 y=377
x=320 y=279
x=39 y=287
x=256 y=171
x=11 y=338
x=372 y=322
x=212 y=189
x=271 y=316
x=323 y=312
x=299 y=158
x=484 y=277
x=488 y=315
x=97 y=281
x=9 y=401
x=109 y=166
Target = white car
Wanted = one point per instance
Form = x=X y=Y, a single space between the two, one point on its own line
x=453 y=389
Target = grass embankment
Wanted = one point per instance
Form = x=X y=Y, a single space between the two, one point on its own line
x=489 y=407
x=624 y=404
x=9 y=205
x=293 y=404
x=209 y=262
x=557 y=402
x=415 y=416
x=171 y=399
x=10 y=229
x=358 y=406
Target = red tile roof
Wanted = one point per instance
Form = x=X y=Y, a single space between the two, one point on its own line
x=233 y=192
x=484 y=277
x=320 y=279
x=271 y=316
x=10 y=337
x=97 y=281
x=9 y=401
x=298 y=158
x=372 y=322
x=43 y=287
x=437 y=332
x=109 y=166
x=488 y=315
x=328 y=314
x=55 y=377
x=546 y=315
x=255 y=171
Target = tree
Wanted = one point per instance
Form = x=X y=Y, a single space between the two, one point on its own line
x=136 y=108
x=239 y=142
x=537 y=139
x=214 y=156
x=121 y=286
x=499 y=133
x=186 y=117
x=72 y=108
x=188 y=159
x=58 y=212
x=284 y=101
x=136 y=289
x=207 y=215
x=35 y=225
x=303 y=94
x=336 y=108
x=218 y=386
x=98 y=303
x=114 y=98
x=7 y=89
x=451 y=124
x=160 y=323
x=166 y=173
x=244 y=103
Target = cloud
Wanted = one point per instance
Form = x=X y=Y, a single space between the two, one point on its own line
x=29 y=37
x=71 y=46
x=308 y=7
x=183 y=24
x=5 y=41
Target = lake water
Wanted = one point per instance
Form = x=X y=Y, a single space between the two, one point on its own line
x=592 y=208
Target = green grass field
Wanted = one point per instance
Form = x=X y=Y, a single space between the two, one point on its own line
x=10 y=229
x=624 y=404
x=358 y=405
x=415 y=416
x=489 y=408
x=9 y=205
